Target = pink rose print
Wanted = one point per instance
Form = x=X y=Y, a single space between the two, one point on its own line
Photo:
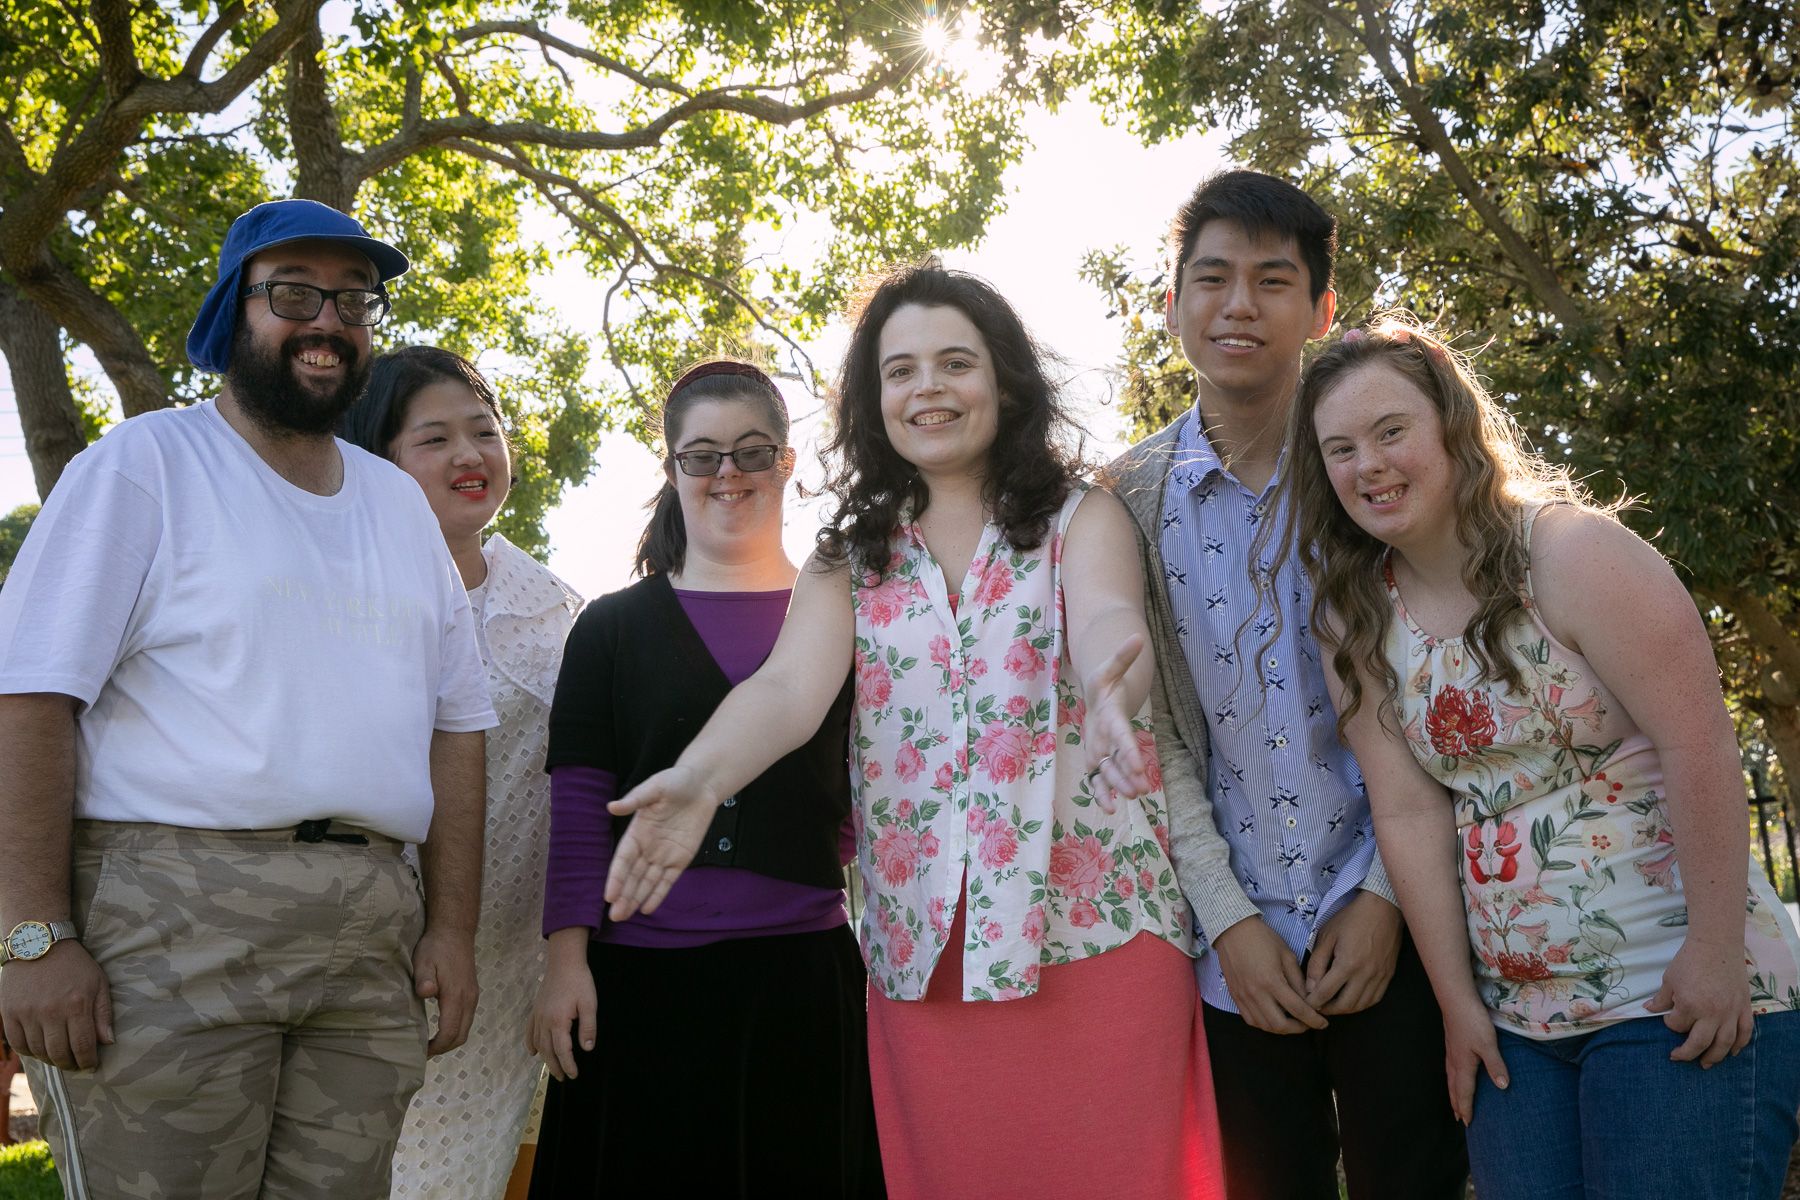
x=896 y=854
x=988 y=930
x=1080 y=865
x=1146 y=744
x=996 y=582
x=1083 y=914
x=940 y=651
x=943 y=780
x=999 y=845
x=900 y=945
x=904 y=810
x=1070 y=710
x=1029 y=976
x=1023 y=660
x=929 y=844
x=1017 y=707
x=907 y=764
x=1004 y=750
x=1044 y=744
x=873 y=685
x=1162 y=839
x=871 y=769
x=884 y=602
x=1125 y=887
x=977 y=818
x=934 y=912
x=1036 y=927
x=1146 y=881
x=977 y=668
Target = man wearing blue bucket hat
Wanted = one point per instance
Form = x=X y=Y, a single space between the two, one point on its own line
x=237 y=675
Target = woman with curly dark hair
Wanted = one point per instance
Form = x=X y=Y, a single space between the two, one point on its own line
x=1032 y=1021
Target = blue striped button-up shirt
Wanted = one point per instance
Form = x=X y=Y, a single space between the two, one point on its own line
x=1287 y=797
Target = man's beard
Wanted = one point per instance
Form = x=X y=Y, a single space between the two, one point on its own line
x=265 y=386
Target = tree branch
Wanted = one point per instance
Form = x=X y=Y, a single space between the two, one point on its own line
x=1435 y=139
x=119 y=68
x=1767 y=631
x=47 y=413
x=473 y=128
x=530 y=29
x=319 y=153
x=209 y=39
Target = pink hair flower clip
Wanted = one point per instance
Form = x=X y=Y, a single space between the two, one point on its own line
x=1355 y=337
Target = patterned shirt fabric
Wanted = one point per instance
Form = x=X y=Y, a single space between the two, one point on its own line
x=1570 y=872
x=1287 y=796
x=969 y=766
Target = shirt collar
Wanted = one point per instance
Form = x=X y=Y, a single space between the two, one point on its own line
x=1196 y=461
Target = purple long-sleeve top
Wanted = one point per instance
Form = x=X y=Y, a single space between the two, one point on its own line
x=707 y=904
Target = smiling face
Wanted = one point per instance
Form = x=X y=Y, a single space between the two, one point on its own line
x=300 y=376
x=735 y=514
x=451 y=443
x=1382 y=441
x=1245 y=312
x=940 y=403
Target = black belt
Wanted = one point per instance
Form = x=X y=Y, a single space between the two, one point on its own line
x=315 y=831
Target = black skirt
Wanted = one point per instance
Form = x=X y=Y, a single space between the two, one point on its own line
x=736 y=1069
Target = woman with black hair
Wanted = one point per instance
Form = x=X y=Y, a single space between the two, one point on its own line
x=715 y=1048
x=1032 y=1017
x=433 y=415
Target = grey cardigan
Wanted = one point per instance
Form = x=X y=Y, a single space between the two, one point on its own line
x=1139 y=478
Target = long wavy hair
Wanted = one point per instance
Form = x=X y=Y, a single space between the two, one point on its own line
x=1497 y=478
x=662 y=547
x=1033 y=461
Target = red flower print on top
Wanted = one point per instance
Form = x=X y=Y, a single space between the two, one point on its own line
x=1080 y=865
x=1023 y=660
x=940 y=652
x=1083 y=914
x=1004 y=750
x=1459 y=723
x=1522 y=968
x=884 y=602
x=996 y=582
x=873 y=685
x=1493 y=852
x=999 y=845
x=896 y=854
x=1146 y=744
x=908 y=763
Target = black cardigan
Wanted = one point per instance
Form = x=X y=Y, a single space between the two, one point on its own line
x=637 y=683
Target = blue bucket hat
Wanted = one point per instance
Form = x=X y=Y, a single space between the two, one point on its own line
x=273 y=224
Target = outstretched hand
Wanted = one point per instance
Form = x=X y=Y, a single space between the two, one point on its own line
x=1115 y=760
x=669 y=814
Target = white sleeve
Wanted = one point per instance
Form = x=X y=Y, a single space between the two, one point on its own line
x=67 y=607
x=463 y=705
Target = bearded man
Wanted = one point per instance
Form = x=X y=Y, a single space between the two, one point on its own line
x=237 y=674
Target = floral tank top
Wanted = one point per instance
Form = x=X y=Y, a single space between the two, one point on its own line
x=966 y=742
x=1570 y=872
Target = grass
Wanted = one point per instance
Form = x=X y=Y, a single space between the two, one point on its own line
x=27 y=1174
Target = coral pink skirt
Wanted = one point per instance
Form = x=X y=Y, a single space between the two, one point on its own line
x=1096 y=1085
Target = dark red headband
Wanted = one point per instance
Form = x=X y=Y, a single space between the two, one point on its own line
x=721 y=366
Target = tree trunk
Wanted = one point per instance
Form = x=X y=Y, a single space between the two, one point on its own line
x=319 y=158
x=48 y=417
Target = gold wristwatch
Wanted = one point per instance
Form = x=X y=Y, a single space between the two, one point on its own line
x=33 y=939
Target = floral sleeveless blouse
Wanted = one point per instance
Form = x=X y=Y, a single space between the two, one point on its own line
x=968 y=762
x=1570 y=872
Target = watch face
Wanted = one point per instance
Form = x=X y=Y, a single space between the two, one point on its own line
x=30 y=939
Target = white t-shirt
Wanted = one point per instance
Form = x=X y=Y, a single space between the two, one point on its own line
x=248 y=654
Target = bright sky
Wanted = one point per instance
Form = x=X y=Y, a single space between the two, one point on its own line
x=1084 y=185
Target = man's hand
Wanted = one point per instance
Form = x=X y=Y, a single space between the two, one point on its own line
x=1706 y=996
x=1352 y=961
x=57 y=1008
x=444 y=970
x=1264 y=978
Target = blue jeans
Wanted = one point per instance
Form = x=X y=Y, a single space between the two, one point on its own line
x=1607 y=1116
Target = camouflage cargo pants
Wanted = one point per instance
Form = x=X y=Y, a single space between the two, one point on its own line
x=267 y=1036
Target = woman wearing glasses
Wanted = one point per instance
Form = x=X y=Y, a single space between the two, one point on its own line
x=432 y=414
x=715 y=1048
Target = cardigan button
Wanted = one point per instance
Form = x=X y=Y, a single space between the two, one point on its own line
x=724 y=845
x=731 y=802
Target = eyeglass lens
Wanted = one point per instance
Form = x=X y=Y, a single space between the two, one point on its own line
x=747 y=458
x=302 y=302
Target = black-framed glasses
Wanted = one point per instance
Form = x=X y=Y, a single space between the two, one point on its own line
x=302 y=301
x=745 y=458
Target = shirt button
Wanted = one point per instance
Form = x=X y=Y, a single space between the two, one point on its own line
x=1291 y=822
x=1280 y=740
x=1301 y=899
x=1273 y=663
x=1261 y=509
x=731 y=802
x=725 y=847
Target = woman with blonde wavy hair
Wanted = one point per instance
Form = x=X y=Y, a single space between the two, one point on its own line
x=1534 y=703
